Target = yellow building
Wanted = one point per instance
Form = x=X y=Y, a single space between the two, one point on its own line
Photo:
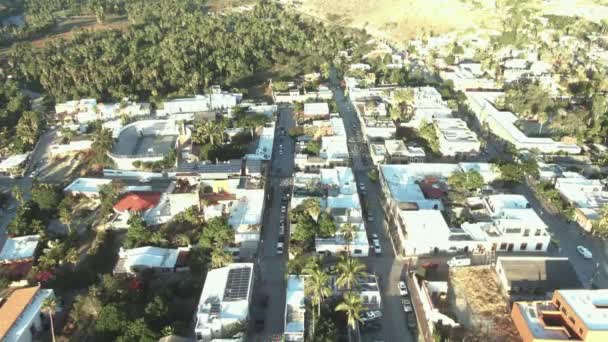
x=576 y=315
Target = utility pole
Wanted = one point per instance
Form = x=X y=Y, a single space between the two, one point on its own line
x=594 y=274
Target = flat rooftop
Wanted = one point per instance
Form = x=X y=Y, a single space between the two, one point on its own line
x=545 y=272
x=479 y=287
x=156 y=138
x=590 y=305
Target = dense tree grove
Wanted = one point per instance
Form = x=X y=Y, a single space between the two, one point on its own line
x=20 y=127
x=174 y=48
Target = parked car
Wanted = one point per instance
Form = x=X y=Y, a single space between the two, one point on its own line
x=411 y=321
x=370 y=218
x=371 y=326
x=407 y=305
x=369 y=316
x=430 y=265
x=279 y=248
x=459 y=260
x=402 y=289
x=377 y=248
x=584 y=252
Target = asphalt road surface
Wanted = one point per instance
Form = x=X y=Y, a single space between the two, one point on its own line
x=271 y=265
x=386 y=266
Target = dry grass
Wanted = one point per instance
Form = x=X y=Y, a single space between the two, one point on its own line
x=400 y=20
x=404 y=19
x=479 y=287
x=66 y=28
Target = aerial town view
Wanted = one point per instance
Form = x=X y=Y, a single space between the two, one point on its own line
x=303 y=170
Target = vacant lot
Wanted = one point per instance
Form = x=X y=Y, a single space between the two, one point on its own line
x=400 y=20
x=404 y=19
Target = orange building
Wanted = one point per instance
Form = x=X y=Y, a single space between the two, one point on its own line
x=576 y=315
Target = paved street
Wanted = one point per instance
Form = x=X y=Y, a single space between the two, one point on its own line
x=569 y=236
x=271 y=270
x=386 y=266
x=25 y=183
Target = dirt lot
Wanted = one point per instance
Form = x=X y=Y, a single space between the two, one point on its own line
x=400 y=20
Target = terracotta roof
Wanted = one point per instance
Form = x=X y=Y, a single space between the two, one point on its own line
x=137 y=201
x=14 y=306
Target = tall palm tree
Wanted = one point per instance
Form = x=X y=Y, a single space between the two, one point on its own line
x=352 y=305
x=349 y=232
x=317 y=289
x=50 y=306
x=349 y=270
x=17 y=194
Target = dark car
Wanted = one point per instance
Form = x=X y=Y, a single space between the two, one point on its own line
x=430 y=265
x=411 y=321
x=263 y=300
x=259 y=325
x=371 y=327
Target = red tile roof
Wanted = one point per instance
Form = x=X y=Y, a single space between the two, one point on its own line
x=137 y=201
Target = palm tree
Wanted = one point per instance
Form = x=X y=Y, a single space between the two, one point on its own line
x=313 y=207
x=17 y=193
x=349 y=270
x=351 y=304
x=317 y=289
x=220 y=258
x=349 y=232
x=72 y=256
x=50 y=306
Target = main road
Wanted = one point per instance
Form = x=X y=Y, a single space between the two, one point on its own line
x=271 y=281
x=387 y=266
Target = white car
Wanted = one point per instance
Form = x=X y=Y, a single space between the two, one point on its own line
x=407 y=305
x=402 y=288
x=377 y=248
x=459 y=260
x=279 y=248
x=369 y=316
x=584 y=252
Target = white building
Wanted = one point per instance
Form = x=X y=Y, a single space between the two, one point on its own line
x=85 y=111
x=216 y=100
x=587 y=196
x=159 y=260
x=265 y=143
x=398 y=153
x=75 y=145
x=337 y=245
x=510 y=225
x=224 y=301
x=21 y=316
x=503 y=125
x=19 y=249
x=428 y=105
x=295 y=309
x=455 y=138
x=14 y=165
x=468 y=77
x=245 y=215
x=316 y=109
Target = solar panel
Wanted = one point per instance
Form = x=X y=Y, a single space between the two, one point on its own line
x=237 y=284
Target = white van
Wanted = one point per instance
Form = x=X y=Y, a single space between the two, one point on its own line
x=459 y=260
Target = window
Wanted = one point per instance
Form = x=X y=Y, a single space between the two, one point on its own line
x=571 y=320
x=558 y=303
x=513 y=230
x=537 y=232
x=539 y=246
x=503 y=246
x=365 y=299
x=523 y=246
x=357 y=251
x=527 y=232
x=564 y=310
x=580 y=331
